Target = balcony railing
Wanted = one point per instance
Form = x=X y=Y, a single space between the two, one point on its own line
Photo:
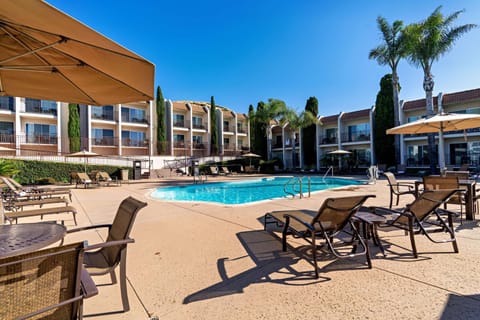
x=328 y=140
x=103 y=116
x=134 y=120
x=134 y=143
x=227 y=129
x=7 y=138
x=356 y=137
x=241 y=130
x=181 y=124
x=36 y=108
x=41 y=139
x=105 y=141
x=198 y=126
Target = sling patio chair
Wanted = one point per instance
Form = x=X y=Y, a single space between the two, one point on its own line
x=82 y=178
x=113 y=252
x=398 y=189
x=423 y=216
x=447 y=182
x=329 y=222
x=15 y=189
x=45 y=284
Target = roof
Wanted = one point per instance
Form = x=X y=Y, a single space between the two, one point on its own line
x=329 y=119
x=365 y=113
x=462 y=96
x=418 y=104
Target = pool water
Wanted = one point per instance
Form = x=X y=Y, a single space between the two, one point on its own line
x=246 y=191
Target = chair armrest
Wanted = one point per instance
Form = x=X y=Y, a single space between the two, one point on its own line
x=109 y=244
x=96 y=226
x=306 y=224
x=89 y=289
x=410 y=186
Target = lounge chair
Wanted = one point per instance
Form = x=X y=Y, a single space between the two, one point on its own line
x=113 y=252
x=22 y=192
x=46 y=284
x=398 y=189
x=330 y=220
x=416 y=217
x=15 y=215
x=224 y=171
x=82 y=178
x=214 y=170
x=100 y=177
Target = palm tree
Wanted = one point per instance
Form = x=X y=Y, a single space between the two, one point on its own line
x=390 y=52
x=272 y=110
x=426 y=42
x=295 y=122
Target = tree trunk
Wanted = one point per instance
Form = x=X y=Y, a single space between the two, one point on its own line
x=292 y=138
x=428 y=85
x=396 y=120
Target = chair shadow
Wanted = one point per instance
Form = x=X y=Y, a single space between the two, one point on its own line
x=461 y=307
x=269 y=259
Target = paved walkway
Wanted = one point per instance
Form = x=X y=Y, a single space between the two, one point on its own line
x=205 y=261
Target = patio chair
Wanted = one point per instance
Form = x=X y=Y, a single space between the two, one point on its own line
x=20 y=191
x=398 y=189
x=224 y=171
x=46 y=284
x=82 y=178
x=447 y=182
x=113 y=252
x=422 y=216
x=330 y=220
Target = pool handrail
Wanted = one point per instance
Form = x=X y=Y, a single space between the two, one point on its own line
x=293 y=181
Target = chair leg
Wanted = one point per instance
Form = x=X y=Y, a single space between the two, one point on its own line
x=452 y=233
x=284 y=234
x=412 y=238
x=314 y=254
x=391 y=199
x=123 y=280
x=398 y=199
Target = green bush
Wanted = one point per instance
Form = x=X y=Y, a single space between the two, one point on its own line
x=40 y=172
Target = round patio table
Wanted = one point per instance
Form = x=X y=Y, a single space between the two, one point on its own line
x=21 y=238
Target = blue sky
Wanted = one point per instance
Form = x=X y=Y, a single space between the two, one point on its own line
x=247 y=51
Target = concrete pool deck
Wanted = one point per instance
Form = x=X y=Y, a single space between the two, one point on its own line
x=208 y=261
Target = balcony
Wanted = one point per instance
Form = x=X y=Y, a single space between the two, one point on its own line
x=41 y=139
x=181 y=124
x=227 y=129
x=241 y=130
x=105 y=141
x=37 y=108
x=356 y=137
x=134 y=143
x=103 y=116
x=198 y=126
x=328 y=140
x=129 y=119
x=7 y=138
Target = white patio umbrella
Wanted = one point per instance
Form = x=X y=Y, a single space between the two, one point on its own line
x=339 y=152
x=441 y=122
x=251 y=155
x=46 y=54
x=84 y=154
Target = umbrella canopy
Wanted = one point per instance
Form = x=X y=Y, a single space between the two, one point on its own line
x=46 y=54
x=440 y=122
x=339 y=151
x=251 y=155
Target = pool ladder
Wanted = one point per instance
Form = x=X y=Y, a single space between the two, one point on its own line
x=295 y=182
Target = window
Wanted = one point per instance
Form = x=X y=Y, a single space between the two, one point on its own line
x=179 y=120
x=197 y=123
x=226 y=126
x=40 y=106
x=197 y=142
x=102 y=113
x=179 y=140
x=41 y=133
x=330 y=136
x=133 y=138
x=133 y=115
x=6 y=131
x=359 y=132
x=102 y=137
x=226 y=143
x=418 y=155
x=413 y=118
x=240 y=127
x=6 y=103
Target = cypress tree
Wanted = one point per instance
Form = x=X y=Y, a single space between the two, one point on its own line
x=161 y=126
x=308 y=139
x=384 y=119
x=213 y=126
x=251 y=119
x=73 y=127
x=260 y=134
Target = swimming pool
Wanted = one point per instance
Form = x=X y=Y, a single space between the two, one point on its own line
x=245 y=191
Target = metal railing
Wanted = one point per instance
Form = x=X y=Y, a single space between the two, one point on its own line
x=294 y=182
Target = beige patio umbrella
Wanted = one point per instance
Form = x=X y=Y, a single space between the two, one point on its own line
x=251 y=155
x=46 y=54
x=339 y=152
x=84 y=154
x=440 y=123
